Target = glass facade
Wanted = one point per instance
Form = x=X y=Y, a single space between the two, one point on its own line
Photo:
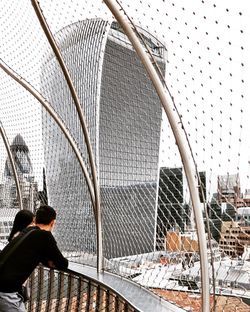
x=123 y=115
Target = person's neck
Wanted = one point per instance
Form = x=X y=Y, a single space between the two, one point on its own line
x=45 y=227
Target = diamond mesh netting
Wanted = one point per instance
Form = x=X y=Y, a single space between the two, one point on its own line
x=148 y=222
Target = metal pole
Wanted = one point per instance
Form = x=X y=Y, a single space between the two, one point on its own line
x=13 y=166
x=76 y=100
x=165 y=100
x=57 y=119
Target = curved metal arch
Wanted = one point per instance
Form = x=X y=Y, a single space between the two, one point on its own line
x=76 y=100
x=12 y=162
x=165 y=100
x=57 y=119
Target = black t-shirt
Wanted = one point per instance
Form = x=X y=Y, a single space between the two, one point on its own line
x=39 y=247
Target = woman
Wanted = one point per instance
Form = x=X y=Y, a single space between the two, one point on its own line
x=22 y=219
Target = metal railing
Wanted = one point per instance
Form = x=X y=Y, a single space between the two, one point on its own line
x=53 y=290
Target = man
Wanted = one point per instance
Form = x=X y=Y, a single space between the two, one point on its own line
x=38 y=247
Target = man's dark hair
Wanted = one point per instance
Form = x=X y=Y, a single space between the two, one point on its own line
x=45 y=214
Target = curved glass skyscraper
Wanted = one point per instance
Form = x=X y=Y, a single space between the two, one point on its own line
x=123 y=115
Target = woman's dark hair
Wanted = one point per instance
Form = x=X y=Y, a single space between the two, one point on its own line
x=22 y=219
x=45 y=214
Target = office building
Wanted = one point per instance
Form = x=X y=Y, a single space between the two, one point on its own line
x=172 y=214
x=202 y=187
x=123 y=114
x=28 y=185
x=235 y=237
x=215 y=218
x=229 y=189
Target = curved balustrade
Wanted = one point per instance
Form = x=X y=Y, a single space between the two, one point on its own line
x=52 y=290
x=86 y=290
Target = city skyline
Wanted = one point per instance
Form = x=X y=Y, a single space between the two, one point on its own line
x=152 y=235
x=230 y=155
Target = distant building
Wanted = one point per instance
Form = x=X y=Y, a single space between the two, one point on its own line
x=202 y=187
x=182 y=242
x=172 y=212
x=28 y=186
x=229 y=213
x=42 y=195
x=229 y=189
x=245 y=200
x=215 y=218
x=234 y=238
x=6 y=222
x=123 y=114
x=187 y=244
x=243 y=216
x=213 y=207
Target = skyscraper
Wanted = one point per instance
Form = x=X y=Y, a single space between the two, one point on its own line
x=202 y=187
x=28 y=186
x=215 y=217
x=9 y=203
x=123 y=114
x=20 y=153
x=172 y=213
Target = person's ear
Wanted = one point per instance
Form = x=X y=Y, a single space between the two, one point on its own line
x=52 y=223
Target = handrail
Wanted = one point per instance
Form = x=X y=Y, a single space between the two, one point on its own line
x=81 y=288
x=53 y=290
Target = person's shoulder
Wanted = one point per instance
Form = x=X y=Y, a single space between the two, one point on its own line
x=36 y=231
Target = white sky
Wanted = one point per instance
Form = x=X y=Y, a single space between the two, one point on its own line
x=207 y=46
